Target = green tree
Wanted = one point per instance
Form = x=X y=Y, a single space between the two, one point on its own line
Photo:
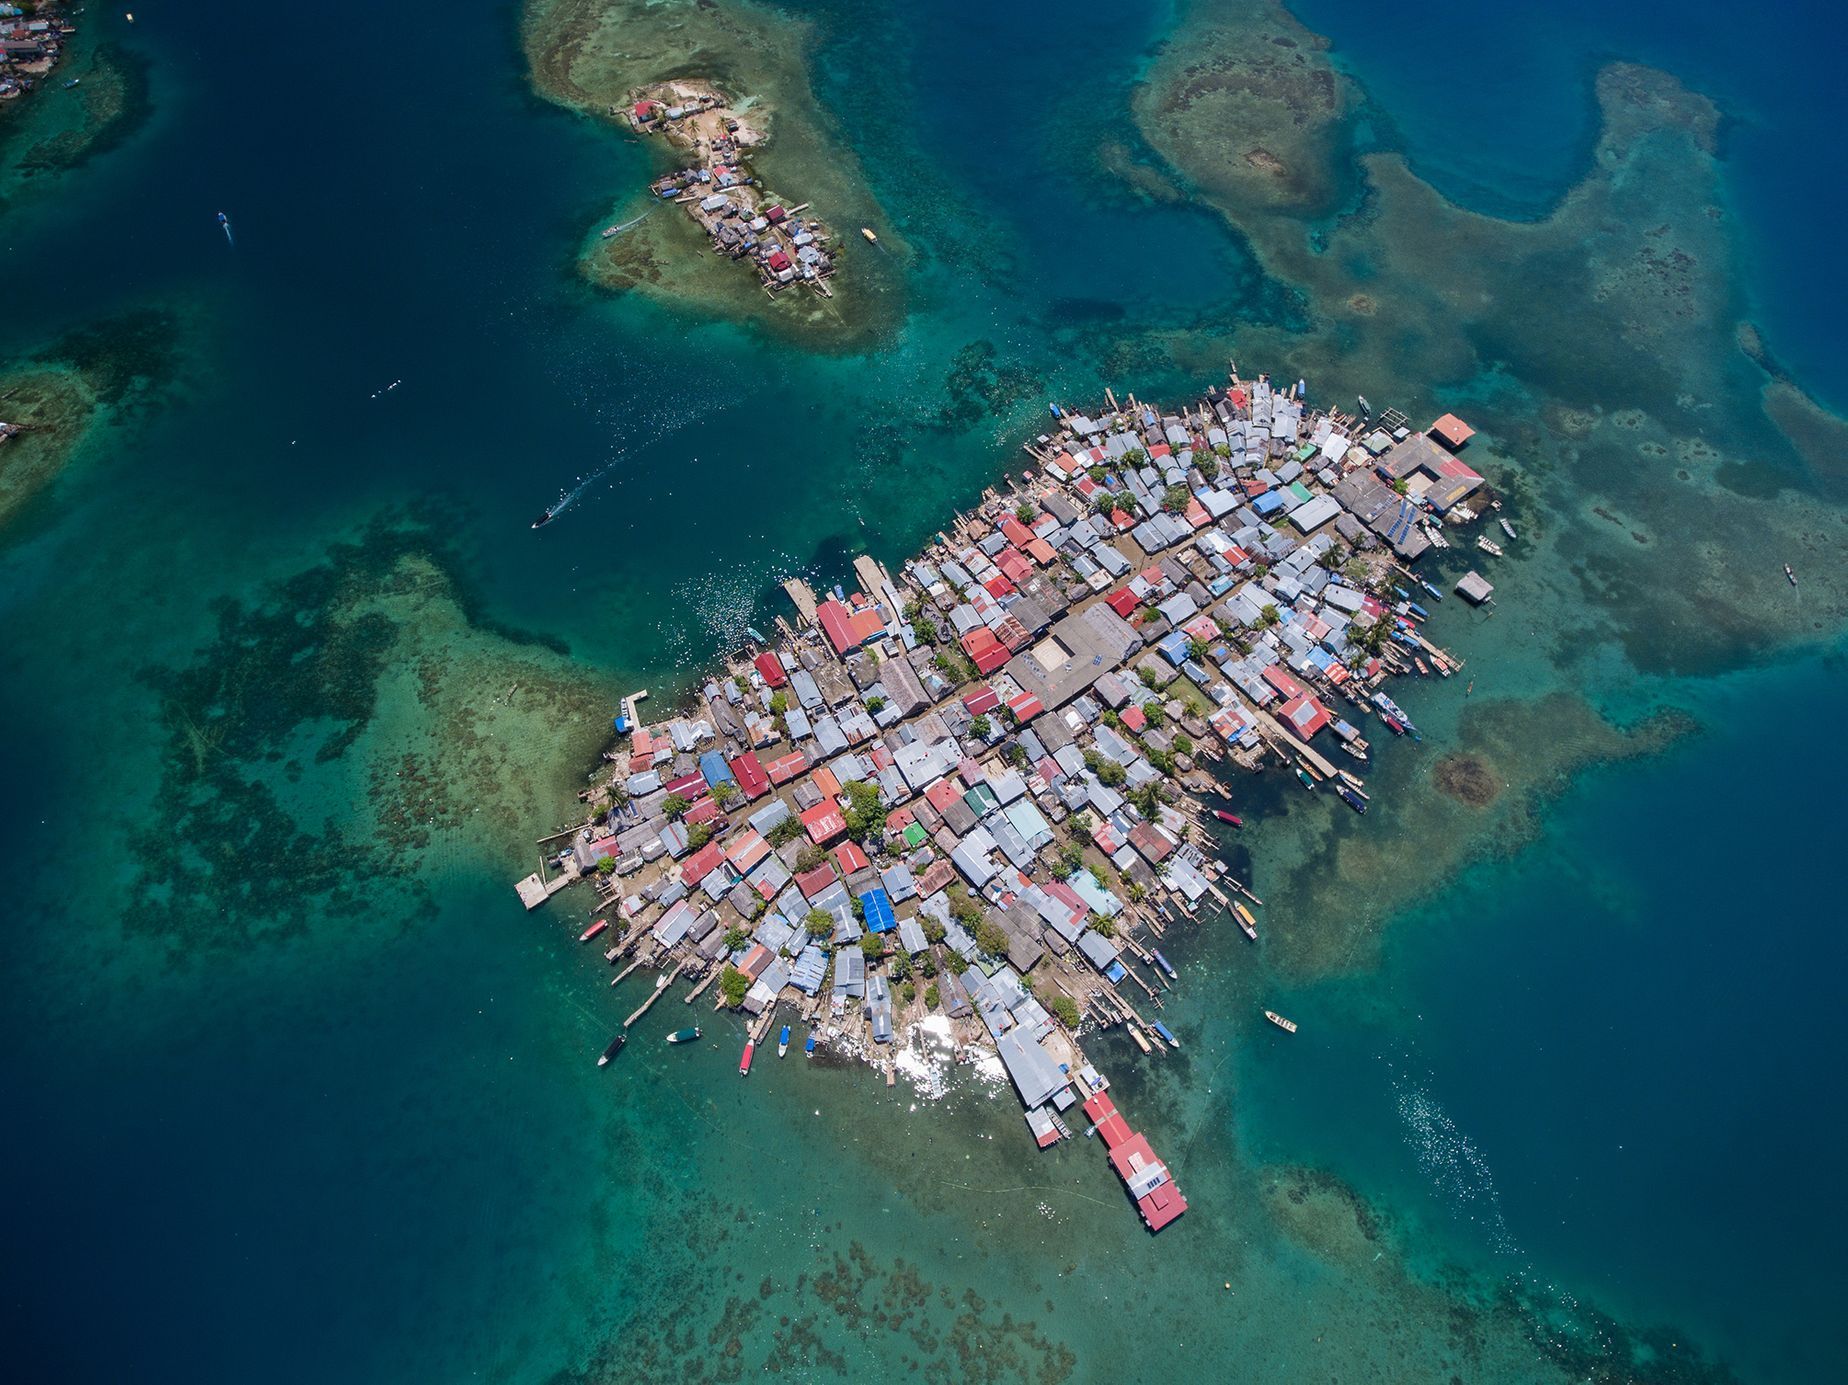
x=1025 y=513
x=956 y=963
x=779 y=703
x=733 y=984
x=808 y=856
x=964 y=907
x=699 y=834
x=1015 y=754
x=872 y=946
x=1099 y=474
x=901 y=964
x=1183 y=745
x=1175 y=499
x=933 y=928
x=908 y=991
x=1066 y=1009
x=981 y=728
x=727 y=793
x=875 y=704
x=786 y=832
x=1071 y=859
x=1267 y=616
x=990 y=938
x=736 y=937
x=932 y=997
x=675 y=806
x=865 y=812
x=819 y=923
x=1198 y=649
x=1155 y=712
x=1107 y=927
x=925 y=629
x=1208 y=466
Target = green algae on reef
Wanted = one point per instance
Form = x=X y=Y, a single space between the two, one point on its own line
x=593 y=55
x=53 y=130
x=66 y=395
x=338 y=740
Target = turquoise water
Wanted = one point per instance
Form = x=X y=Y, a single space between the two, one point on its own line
x=326 y=1107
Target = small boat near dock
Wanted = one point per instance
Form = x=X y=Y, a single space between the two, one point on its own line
x=782 y=1043
x=1352 y=799
x=1166 y=1035
x=1287 y=1026
x=1488 y=545
x=1507 y=528
x=808 y=1049
x=750 y=1052
x=1307 y=778
x=614 y=1048
x=684 y=1036
x=593 y=930
x=1247 y=923
x=1232 y=818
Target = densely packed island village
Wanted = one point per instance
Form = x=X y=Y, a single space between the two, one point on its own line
x=960 y=809
x=31 y=43
x=721 y=193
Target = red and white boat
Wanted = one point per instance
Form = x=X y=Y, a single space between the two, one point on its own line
x=1232 y=818
x=593 y=930
x=750 y=1052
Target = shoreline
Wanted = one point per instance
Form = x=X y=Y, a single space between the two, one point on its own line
x=1005 y=757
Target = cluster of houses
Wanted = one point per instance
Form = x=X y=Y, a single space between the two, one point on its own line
x=956 y=790
x=721 y=194
x=31 y=42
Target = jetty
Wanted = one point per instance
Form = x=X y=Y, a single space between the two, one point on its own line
x=967 y=791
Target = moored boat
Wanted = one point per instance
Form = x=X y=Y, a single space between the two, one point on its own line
x=1507 y=528
x=782 y=1043
x=1247 y=922
x=614 y=1048
x=593 y=930
x=1424 y=670
x=684 y=1036
x=870 y=237
x=1353 y=781
x=1488 y=545
x=1287 y=1026
x=1352 y=799
x=1392 y=724
x=750 y=1052
x=1167 y=1034
x=1304 y=775
x=808 y=1049
x=1232 y=818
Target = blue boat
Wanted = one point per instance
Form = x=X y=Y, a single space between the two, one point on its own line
x=1436 y=595
x=1162 y=961
x=1418 y=610
x=809 y=1047
x=1162 y=1030
x=782 y=1043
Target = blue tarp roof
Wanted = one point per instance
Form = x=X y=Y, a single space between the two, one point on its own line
x=1268 y=503
x=879 y=915
x=714 y=770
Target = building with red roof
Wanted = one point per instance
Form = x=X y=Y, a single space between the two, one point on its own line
x=1304 y=715
x=748 y=770
x=1283 y=681
x=984 y=650
x=850 y=858
x=787 y=767
x=1123 y=601
x=1025 y=707
x=704 y=811
x=824 y=822
x=982 y=701
x=701 y=864
x=868 y=625
x=772 y=668
x=813 y=882
x=836 y=623
x=1452 y=431
x=1149 y=1182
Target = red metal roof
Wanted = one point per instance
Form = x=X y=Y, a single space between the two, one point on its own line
x=1122 y=601
x=868 y=625
x=824 y=823
x=1304 y=715
x=778 y=260
x=749 y=772
x=701 y=864
x=983 y=699
x=772 y=668
x=850 y=858
x=813 y=882
x=1134 y=718
x=689 y=787
x=1280 y=678
x=1015 y=531
x=1025 y=707
x=1452 y=431
x=837 y=624
x=704 y=811
x=786 y=767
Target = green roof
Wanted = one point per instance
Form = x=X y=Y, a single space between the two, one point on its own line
x=1300 y=491
x=915 y=834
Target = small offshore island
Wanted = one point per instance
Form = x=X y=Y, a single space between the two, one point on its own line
x=952 y=817
x=739 y=216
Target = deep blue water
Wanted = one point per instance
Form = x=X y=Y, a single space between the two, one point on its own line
x=1608 y=1064
x=1493 y=105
